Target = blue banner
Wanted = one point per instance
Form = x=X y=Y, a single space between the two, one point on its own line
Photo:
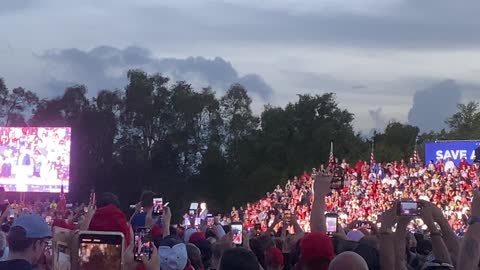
x=451 y=149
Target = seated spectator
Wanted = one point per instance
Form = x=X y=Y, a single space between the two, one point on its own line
x=27 y=241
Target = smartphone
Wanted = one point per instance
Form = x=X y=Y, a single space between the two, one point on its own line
x=338 y=178
x=210 y=221
x=237 y=233
x=331 y=220
x=409 y=208
x=63 y=261
x=100 y=250
x=157 y=206
x=191 y=212
x=48 y=219
x=287 y=216
x=143 y=244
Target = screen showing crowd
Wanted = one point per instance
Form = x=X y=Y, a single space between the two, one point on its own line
x=35 y=159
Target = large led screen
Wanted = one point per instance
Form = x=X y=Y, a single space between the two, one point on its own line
x=35 y=159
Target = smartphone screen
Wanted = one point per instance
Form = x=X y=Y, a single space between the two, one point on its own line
x=210 y=221
x=331 y=222
x=143 y=244
x=186 y=221
x=157 y=206
x=100 y=251
x=48 y=219
x=63 y=258
x=237 y=236
x=409 y=208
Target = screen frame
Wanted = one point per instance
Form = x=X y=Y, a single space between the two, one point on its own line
x=105 y=235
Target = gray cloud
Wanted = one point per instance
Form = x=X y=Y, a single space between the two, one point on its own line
x=407 y=24
x=380 y=120
x=105 y=67
x=433 y=105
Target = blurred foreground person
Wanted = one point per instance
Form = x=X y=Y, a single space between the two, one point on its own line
x=27 y=240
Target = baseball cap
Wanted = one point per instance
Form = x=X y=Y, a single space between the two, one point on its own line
x=173 y=258
x=34 y=225
x=315 y=246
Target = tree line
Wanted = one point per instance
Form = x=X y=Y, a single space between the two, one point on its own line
x=190 y=145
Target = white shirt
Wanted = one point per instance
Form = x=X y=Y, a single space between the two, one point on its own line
x=449 y=166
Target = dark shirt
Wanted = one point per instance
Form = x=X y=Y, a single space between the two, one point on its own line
x=15 y=265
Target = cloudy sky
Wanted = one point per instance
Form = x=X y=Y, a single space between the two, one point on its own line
x=407 y=60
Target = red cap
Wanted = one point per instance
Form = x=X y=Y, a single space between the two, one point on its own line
x=274 y=257
x=156 y=231
x=315 y=246
x=197 y=236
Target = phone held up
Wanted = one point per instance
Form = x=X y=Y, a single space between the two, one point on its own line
x=143 y=246
x=237 y=233
x=101 y=250
x=409 y=208
x=331 y=220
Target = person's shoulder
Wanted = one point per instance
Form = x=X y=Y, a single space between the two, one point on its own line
x=15 y=264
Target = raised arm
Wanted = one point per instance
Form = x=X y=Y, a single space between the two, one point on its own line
x=439 y=248
x=470 y=247
x=449 y=237
x=321 y=188
x=387 y=238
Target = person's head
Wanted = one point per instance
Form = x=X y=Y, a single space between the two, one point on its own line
x=146 y=199
x=273 y=259
x=28 y=237
x=348 y=260
x=370 y=255
x=195 y=256
x=106 y=199
x=239 y=259
x=173 y=254
x=203 y=206
x=216 y=255
x=316 y=252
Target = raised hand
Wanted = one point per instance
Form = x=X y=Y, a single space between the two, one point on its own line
x=321 y=185
x=154 y=262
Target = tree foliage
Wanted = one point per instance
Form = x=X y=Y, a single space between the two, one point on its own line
x=190 y=144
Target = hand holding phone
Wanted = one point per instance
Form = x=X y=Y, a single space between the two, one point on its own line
x=237 y=233
x=409 y=208
x=331 y=220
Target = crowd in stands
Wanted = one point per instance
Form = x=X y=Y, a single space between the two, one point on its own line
x=370 y=234
x=369 y=190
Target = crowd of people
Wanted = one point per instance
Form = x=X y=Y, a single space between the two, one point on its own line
x=368 y=190
x=288 y=229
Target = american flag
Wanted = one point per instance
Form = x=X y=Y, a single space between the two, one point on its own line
x=372 y=156
x=331 y=158
x=62 y=202
x=416 y=158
